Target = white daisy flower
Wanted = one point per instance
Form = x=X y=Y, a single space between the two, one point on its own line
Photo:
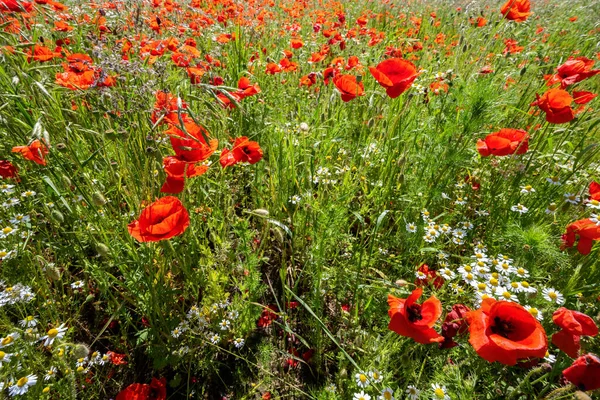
x=6 y=254
x=215 y=339
x=572 y=198
x=375 y=376
x=411 y=227
x=535 y=312
x=53 y=334
x=50 y=374
x=554 y=296
x=551 y=358
x=553 y=180
x=238 y=343
x=361 y=396
x=551 y=209
x=386 y=394
x=447 y=274
x=504 y=294
x=526 y=287
x=362 y=380
x=22 y=385
x=520 y=208
x=527 y=189
x=4 y=357
x=77 y=285
x=593 y=204
x=521 y=272
x=225 y=325
x=412 y=393
x=28 y=322
x=9 y=340
x=439 y=392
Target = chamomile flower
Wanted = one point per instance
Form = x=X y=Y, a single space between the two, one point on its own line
x=375 y=376
x=551 y=209
x=521 y=272
x=504 y=294
x=572 y=198
x=53 y=334
x=225 y=325
x=554 y=296
x=459 y=233
x=177 y=332
x=50 y=374
x=526 y=287
x=77 y=285
x=504 y=267
x=527 y=189
x=214 y=338
x=411 y=227
x=4 y=357
x=362 y=380
x=412 y=393
x=535 y=312
x=465 y=269
x=295 y=199
x=8 y=340
x=6 y=254
x=593 y=204
x=466 y=225
x=439 y=392
x=28 y=193
x=447 y=274
x=19 y=218
x=239 y=343
x=386 y=394
x=22 y=385
x=482 y=213
x=361 y=396
x=480 y=256
x=520 y=208
x=594 y=219
x=7 y=189
x=7 y=231
x=553 y=180
x=469 y=279
x=550 y=358
x=28 y=322
x=461 y=201
x=420 y=275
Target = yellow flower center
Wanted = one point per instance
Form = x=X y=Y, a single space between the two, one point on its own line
x=7 y=340
x=468 y=268
x=7 y=230
x=469 y=276
x=552 y=295
x=362 y=378
x=495 y=275
x=481 y=286
x=534 y=311
x=480 y=264
x=525 y=284
x=528 y=187
x=52 y=333
x=595 y=202
x=79 y=369
x=494 y=282
x=46 y=389
x=22 y=382
x=387 y=396
x=521 y=271
x=514 y=284
x=2 y=354
x=439 y=393
x=3 y=253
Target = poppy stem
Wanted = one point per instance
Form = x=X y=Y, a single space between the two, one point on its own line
x=525 y=381
x=557 y=393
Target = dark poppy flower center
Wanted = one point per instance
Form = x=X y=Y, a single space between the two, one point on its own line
x=502 y=327
x=246 y=150
x=414 y=313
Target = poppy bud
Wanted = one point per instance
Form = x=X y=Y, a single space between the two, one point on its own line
x=52 y=273
x=304 y=127
x=57 y=216
x=262 y=212
x=80 y=351
x=66 y=181
x=103 y=250
x=98 y=199
x=61 y=147
x=401 y=283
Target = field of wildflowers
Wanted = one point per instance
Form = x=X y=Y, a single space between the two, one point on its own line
x=311 y=199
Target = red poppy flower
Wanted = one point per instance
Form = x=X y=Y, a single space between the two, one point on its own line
x=504 y=142
x=395 y=75
x=35 y=152
x=7 y=169
x=595 y=191
x=415 y=320
x=268 y=315
x=116 y=358
x=195 y=74
x=573 y=71
x=156 y=390
x=583 y=97
x=247 y=89
x=454 y=324
x=177 y=171
x=427 y=276
x=168 y=106
x=574 y=324
x=587 y=230
x=348 y=87
x=516 y=10
x=15 y=6
x=584 y=372
x=41 y=53
x=506 y=332
x=227 y=159
x=556 y=103
x=191 y=146
x=245 y=150
x=161 y=220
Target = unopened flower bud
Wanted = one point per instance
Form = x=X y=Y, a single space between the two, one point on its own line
x=401 y=283
x=52 y=273
x=98 y=199
x=57 y=216
x=103 y=250
x=81 y=351
x=262 y=212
